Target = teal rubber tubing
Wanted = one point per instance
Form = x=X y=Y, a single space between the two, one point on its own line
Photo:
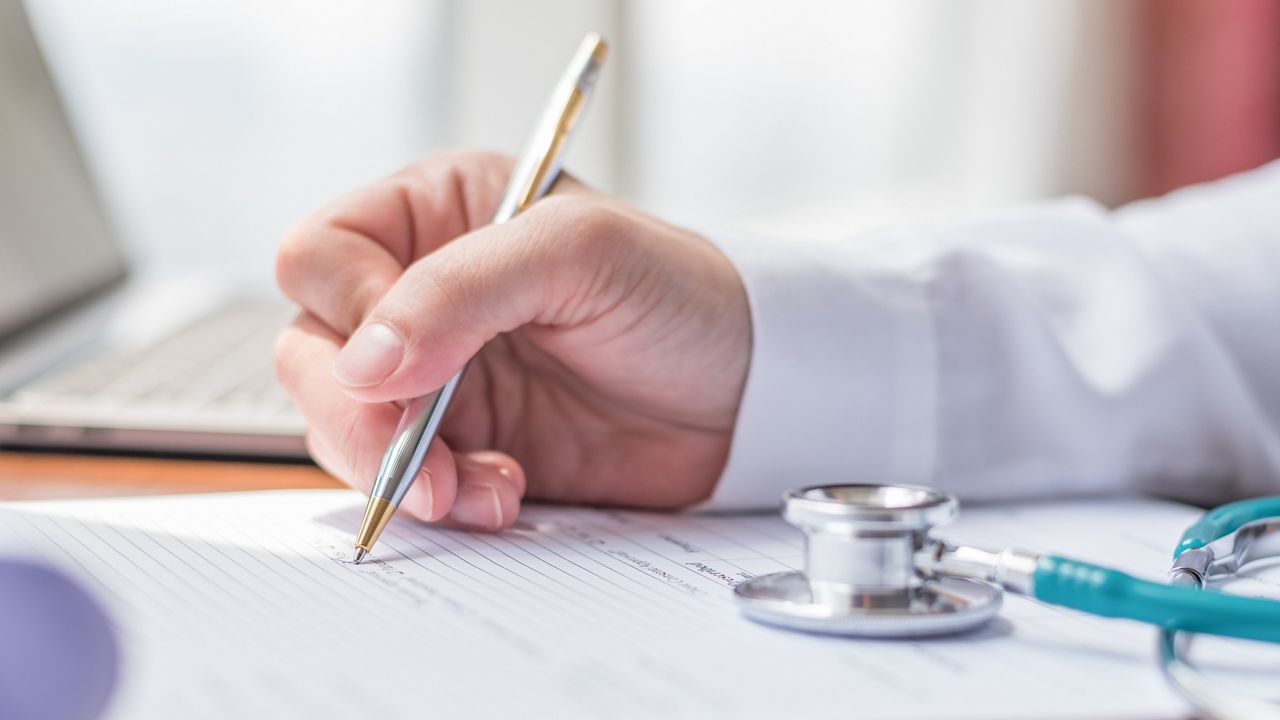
x=1111 y=593
x=1222 y=521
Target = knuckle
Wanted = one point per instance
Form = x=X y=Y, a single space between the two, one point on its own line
x=480 y=177
x=487 y=160
x=596 y=227
x=472 y=160
x=284 y=358
x=459 y=276
x=577 y=243
x=316 y=448
x=478 y=163
x=292 y=258
x=446 y=299
x=349 y=446
x=596 y=241
x=320 y=451
x=579 y=224
x=473 y=179
x=358 y=303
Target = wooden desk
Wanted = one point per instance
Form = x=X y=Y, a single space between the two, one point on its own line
x=38 y=476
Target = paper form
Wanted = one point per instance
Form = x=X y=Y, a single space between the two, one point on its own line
x=246 y=605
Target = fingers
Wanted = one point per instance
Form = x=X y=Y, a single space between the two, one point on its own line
x=490 y=485
x=346 y=437
x=433 y=491
x=338 y=263
x=479 y=490
x=549 y=266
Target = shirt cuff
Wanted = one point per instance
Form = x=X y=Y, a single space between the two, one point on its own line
x=841 y=387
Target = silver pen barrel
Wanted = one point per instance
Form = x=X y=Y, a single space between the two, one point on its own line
x=534 y=175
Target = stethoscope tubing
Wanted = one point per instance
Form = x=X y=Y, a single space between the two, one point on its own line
x=1205 y=696
x=892 y=523
x=1110 y=593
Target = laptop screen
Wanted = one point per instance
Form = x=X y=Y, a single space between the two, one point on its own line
x=55 y=242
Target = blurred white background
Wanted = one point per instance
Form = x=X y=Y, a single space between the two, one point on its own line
x=213 y=127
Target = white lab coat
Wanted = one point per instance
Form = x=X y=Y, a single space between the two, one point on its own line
x=1057 y=349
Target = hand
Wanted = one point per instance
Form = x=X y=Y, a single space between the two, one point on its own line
x=610 y=349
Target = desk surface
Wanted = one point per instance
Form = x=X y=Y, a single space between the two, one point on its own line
x=39 y=476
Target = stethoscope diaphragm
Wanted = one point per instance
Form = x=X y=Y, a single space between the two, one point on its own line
x=860 y=576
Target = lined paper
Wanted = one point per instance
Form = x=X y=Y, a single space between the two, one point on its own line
x=247 y=605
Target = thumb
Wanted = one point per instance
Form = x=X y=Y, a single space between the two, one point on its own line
x=546 y=266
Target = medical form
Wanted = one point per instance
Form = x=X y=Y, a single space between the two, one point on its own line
x=247 y=605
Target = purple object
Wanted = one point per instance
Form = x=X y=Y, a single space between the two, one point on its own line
x=58 y=654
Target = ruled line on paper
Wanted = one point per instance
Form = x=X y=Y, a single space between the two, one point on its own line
x=251 y=601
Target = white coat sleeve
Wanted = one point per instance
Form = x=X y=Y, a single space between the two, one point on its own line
x=1058 y=349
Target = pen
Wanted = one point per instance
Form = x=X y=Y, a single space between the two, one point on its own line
x=535 y=173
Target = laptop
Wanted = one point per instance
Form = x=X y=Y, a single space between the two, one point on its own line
x=92 y=357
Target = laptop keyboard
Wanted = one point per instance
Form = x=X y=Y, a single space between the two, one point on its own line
x=220 y=363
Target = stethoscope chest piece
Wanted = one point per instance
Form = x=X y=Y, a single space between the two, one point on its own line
x=860 y=575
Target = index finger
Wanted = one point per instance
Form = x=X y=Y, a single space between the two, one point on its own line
x=339 y=262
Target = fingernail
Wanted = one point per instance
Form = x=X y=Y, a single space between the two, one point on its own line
x=426 y=494
x=478 y=505
x=369 y=357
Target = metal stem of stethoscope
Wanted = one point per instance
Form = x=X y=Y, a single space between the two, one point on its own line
x=1220 y=544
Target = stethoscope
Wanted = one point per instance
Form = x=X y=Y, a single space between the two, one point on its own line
x=872 y=569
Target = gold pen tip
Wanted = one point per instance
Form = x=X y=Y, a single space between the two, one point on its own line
x=376 y=517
